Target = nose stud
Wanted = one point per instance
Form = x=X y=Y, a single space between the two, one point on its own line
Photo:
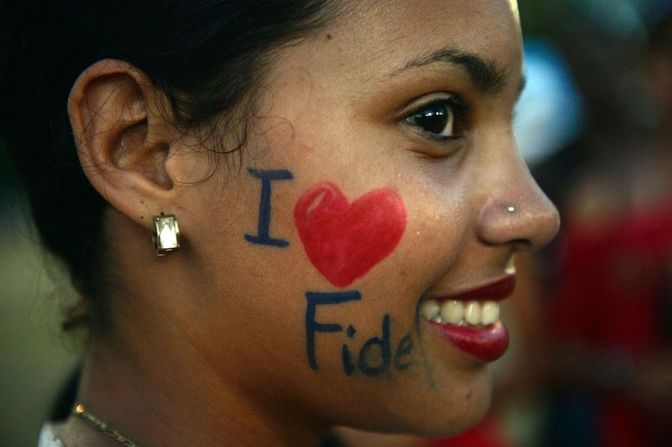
x=511 y=209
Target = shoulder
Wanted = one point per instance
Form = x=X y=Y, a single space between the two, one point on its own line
x=49 y=436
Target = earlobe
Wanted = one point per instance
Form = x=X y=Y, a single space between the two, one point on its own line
x=122 y=137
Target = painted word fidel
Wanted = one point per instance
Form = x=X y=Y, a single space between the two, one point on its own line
x=375 y=356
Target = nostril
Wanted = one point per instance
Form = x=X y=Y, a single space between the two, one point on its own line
x=522 y=245
x=524 y=226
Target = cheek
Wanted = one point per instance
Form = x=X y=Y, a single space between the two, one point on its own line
x=437 y=232
x=331 y=278
x=315 y=283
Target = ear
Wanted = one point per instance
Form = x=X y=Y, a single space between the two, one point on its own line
x=123 y=138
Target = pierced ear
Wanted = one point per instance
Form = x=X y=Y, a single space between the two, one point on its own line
x=123 y=139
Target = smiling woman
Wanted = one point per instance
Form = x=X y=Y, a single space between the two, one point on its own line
x=344 y=268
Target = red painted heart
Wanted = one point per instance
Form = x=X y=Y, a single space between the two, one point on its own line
x=344 y=241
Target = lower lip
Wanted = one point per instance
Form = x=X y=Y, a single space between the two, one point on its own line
x=486 y=344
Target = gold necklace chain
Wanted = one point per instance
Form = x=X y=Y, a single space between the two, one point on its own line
x=94 y=421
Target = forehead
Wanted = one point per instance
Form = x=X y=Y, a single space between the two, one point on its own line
x=382 y=32
x=360 y=53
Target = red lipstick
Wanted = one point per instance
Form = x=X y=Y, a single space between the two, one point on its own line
x=486 y=343
x=495 y=291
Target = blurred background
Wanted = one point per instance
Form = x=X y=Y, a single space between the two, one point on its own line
x=591 y=322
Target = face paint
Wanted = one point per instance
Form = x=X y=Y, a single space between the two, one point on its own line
x=344 y=241
x=263 y=236
x=372 y=356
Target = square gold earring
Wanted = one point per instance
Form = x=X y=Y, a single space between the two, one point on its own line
x=166 y=235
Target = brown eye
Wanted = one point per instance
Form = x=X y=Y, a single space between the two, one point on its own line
x=440 y=118
x=436 y=118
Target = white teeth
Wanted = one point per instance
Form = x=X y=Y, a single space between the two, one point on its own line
x=472 y=313
x=429 y=309
x=510 y=268
x=452 y=312
x=489 y=313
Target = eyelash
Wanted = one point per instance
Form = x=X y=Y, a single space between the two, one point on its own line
x=459 y=110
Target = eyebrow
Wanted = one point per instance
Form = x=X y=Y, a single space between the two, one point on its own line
x=485 y=75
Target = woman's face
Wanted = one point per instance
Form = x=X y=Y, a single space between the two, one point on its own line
x=378 y=173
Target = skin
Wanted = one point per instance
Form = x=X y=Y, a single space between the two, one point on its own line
x=208 y=346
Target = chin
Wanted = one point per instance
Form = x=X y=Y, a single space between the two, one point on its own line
x=452 y=406
x=456 y=423
x=456 y=415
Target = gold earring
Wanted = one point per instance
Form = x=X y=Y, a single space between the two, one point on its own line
x=166 y=235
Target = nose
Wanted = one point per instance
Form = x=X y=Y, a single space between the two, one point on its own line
x=515 y=211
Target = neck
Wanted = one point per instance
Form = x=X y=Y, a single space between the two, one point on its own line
x=174 y=401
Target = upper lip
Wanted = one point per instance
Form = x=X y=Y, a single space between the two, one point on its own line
x=493 y=291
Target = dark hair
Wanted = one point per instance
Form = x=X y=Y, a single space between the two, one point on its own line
x=206 y=56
